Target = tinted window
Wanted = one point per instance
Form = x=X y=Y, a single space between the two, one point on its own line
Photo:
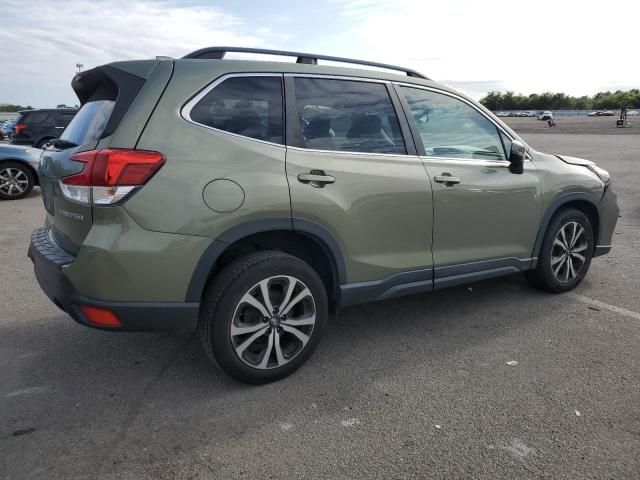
x=89 y=123
x=249 y=106
x=451 y=128
x=66 y=117
x=348 y=116
x=35 y=117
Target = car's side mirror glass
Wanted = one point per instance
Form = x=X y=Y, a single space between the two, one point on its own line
x=516 y=157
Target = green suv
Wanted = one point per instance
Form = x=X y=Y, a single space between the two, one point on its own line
x=248 y=199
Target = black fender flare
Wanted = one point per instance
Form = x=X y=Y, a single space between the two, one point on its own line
x=556 y=204
x=313 y=230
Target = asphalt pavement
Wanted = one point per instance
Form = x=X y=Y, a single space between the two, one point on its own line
x=417 y=387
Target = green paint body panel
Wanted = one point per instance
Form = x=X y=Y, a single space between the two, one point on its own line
x=121 y=261
x=482 y=217
x=379 y=210
x=385 y=212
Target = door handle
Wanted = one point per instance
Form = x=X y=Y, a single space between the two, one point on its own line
x=447 y=179
x=316 y=178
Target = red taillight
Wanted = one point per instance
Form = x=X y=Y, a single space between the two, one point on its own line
x=111 y=173
x=100 y=317
x=18 y=128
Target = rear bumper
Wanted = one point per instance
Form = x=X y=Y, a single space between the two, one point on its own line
x=49 y=262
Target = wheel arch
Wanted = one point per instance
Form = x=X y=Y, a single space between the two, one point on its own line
x=582 y=201
x=301 y=238
x=41 y=139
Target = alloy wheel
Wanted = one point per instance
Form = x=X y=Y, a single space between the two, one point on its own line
x=568 y=254
x=273 y=322
x=13 y=181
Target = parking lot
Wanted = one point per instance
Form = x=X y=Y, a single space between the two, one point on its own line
x=417 y=387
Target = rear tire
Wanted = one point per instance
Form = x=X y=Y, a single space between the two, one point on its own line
x=16 y=181
x=256 y=340
x=41 y=143
x=566 y=252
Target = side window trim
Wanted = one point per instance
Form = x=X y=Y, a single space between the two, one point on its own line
x=185 y=111
x=293 y=132
x=403 y=121
x=416 y=134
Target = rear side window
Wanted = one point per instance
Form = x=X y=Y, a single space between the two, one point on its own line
x=349 y=116
x=247 y=106
x=35 y=118
x=89 y=123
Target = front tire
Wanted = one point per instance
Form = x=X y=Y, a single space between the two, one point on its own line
x=263 y=316
x=566 y=253
x=16 y=181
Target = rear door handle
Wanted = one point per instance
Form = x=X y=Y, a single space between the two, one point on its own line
x=316 y=178
x=447 y=179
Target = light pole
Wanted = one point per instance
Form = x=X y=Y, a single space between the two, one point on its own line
x=79 y=67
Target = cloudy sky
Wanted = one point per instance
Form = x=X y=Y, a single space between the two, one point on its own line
x=579 y=47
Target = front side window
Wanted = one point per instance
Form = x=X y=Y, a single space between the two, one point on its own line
x=248 y=106
x=451 y=128
x=348 y=116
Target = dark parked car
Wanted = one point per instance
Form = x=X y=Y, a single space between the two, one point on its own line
x=37 y=127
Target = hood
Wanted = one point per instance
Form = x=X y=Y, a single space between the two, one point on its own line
x=575 y=160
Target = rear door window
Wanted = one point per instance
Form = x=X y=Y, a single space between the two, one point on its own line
x=36 y=118
x=66 y=118
x=346 y=115
x=250 y=106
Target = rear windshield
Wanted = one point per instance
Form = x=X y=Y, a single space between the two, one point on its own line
x=89 y=123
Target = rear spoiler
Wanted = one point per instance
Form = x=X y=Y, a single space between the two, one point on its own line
x=108 y=83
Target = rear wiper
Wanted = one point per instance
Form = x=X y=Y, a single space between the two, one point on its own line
x=62 y=144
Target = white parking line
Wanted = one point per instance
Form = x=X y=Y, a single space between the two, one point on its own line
x=613 y=308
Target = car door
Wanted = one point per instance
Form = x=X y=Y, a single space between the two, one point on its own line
x=353 y=171
x=485 y=218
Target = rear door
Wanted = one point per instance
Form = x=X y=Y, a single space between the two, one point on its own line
x=62 y=119
x=485 y=217
x=351 y=172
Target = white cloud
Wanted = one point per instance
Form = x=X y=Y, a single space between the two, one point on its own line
x=533 y=45
x=578 y=47
x=43 y=40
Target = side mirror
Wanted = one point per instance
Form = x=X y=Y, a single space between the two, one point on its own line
x=516 y=157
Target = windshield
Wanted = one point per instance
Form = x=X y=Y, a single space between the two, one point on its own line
x=89 y=123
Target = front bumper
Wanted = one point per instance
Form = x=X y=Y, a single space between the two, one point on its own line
x=49 y=262
x=608 y=213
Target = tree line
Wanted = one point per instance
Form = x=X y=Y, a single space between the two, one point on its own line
x=559 y=101
x=14 y=108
